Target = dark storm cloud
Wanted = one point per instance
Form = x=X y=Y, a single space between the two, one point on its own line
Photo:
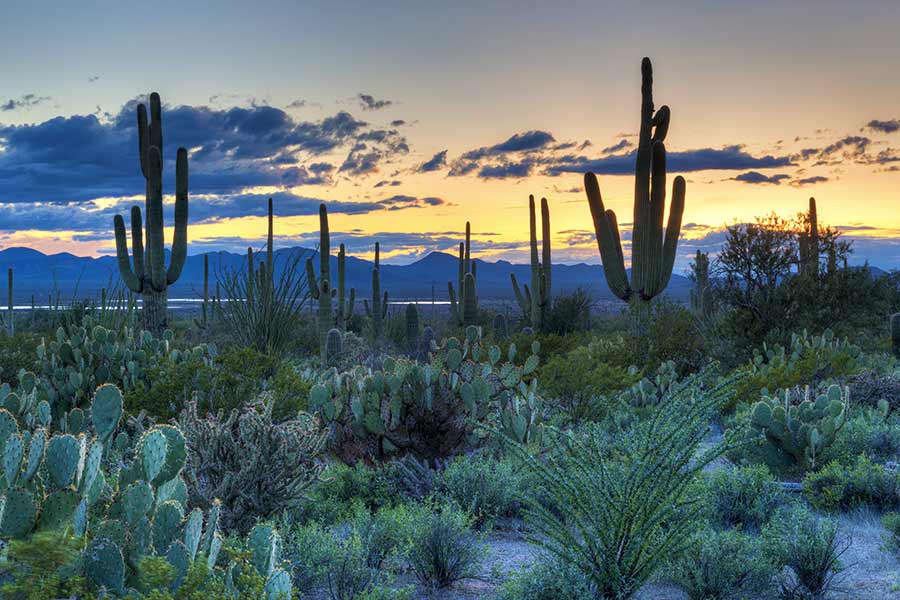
x=889 y=126
x=755 y=177
x=435 y=163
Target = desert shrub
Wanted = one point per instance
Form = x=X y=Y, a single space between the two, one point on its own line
x=867 y=433
x=16 y=353
x=722 y=564
x=484 y=487
x=891 y=522
x=862 y=484
x=810 y=546
x=571 y=312
x=239 y=377
x=674 y=336
x=290 y=391
x=169 y=385
x=621 y=505
x=256 y=467
x=415 y=479
x=42 y=567
x=547 y=580
x=443 y=549
x=575 y=380
x=744 y=497
x=870 y=386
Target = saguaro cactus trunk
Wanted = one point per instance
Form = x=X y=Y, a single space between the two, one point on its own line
x=652 y=253
x=148 y=274
x=378 y=311
x=466 y=266
x=535 y=302
x=321 y=289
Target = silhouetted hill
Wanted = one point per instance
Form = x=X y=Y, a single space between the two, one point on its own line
x=39 y=274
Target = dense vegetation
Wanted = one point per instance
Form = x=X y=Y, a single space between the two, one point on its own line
x=281 y=444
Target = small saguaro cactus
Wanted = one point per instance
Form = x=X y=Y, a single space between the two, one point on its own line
x=204 y=308
x=321 y=289
x=10 y=326
x=535 y=302
x=895 y=334
x=412 y=328
x=334 y=345
x=700 y=293
x=344 y=307
x=809 y=242
x=378 y=311
x=652 y=255
x=501 y=327
x=146 y=274
x=466 y=267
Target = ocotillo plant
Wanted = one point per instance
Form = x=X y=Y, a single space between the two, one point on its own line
x=344 y=308
x=652 y=256
x=378 y=311
x=321 y=290
x=148 y=274
x=535 y=302
x=466 y=267
x=809 y=243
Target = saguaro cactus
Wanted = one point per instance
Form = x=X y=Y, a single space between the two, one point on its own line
x=204 y=308
x=412 y=328
x=466 y=267
x=700 y=293
x=321 y=289
x=11 y=325
x=652 y=256
x=378 y=311
x=344 y=308
x=535 y=302
x=809 y=243
x=148 y=274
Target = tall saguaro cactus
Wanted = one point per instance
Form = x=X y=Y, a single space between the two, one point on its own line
x=344 y=307
x=321 y=289
x=466 y=267
x=378 y=311
x=809 y=243
x=146 y=273
x=535 y=302
x=652 y=254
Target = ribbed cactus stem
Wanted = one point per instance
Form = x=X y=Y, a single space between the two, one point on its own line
x=653 y=249
x=809 y=243
x=334 y=344
x=146 y=273
x=470 y=308
x=344 y=307
x=378 y=310
x=320 y=289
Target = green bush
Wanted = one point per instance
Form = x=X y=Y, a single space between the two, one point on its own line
x=239 y=377
x=891 y=522
x=443 y=549
x=674 y=336
x=343 y=489
x=720 y=565
x=744 y=497
x=570 y=312
x=811 y=548
x=169 y=385
x=484 y=487
x=16 y=353
x=290 y=390
x=43 y=567
x=864 y=483
x=867 y=433
x=547 y=580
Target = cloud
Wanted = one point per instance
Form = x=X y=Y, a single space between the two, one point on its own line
x=515 y=170
x=809 y=181
x=435 y=163
x=622 y=144
x=386 y=182
x=26 y=102
x=82 y=157
x=755 y=177
x=93 y=78
x=889 y=126
x=368 y=102
x=520 y=142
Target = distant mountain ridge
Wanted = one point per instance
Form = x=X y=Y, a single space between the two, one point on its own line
x=40 y=274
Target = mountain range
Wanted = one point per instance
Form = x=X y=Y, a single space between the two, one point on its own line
x=41 y=275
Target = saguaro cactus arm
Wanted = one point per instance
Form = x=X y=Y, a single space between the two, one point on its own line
x=179 y=239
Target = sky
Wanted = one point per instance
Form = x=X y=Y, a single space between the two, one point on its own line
x=409 y=118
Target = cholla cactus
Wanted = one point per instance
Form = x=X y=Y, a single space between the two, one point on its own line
x=652 y=254
x=800 y=428
x=148 y=274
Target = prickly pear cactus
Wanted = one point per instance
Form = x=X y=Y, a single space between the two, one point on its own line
x=429 y=409
x=798 y=428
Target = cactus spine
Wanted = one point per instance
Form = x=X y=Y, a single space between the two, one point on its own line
x=321 y=290
x=148 y=274
x=378 y=311
x=535 y=302
x=344 y=308
x=465 y=306
x=652 y=256
x=809 y=243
